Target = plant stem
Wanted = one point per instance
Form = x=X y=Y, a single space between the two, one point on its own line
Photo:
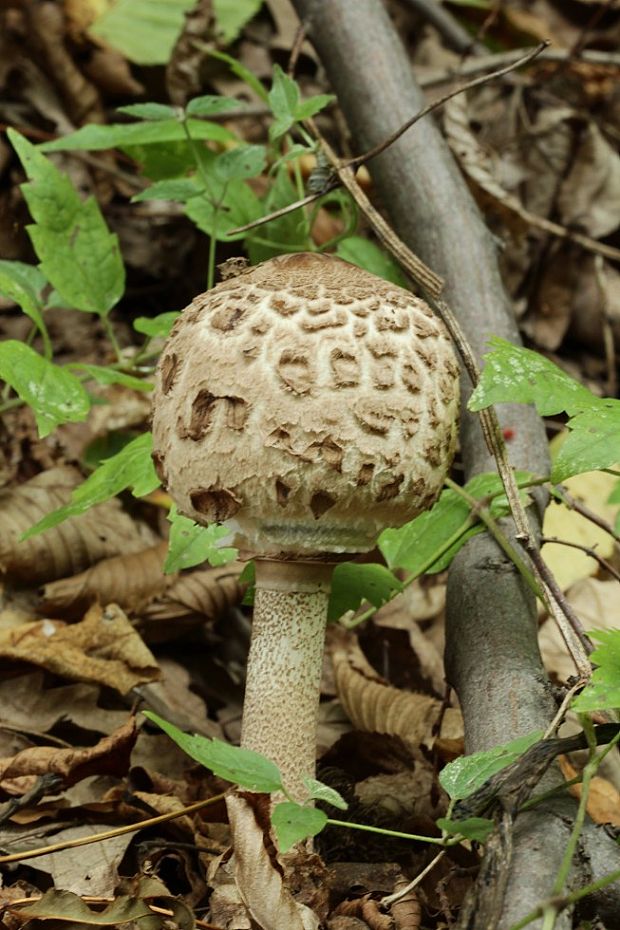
x=109 y=331
x=285 y=663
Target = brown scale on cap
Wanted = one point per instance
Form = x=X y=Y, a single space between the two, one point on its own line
x=276 y=408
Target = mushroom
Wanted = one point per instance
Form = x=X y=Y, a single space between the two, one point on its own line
x=308 y=404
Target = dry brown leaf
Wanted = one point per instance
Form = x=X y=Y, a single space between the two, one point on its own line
x=570 y=565
x=129 y=580
x=110 y=756
x=260 y=883
x=192 y=598
x=603 y=804
x=103 y=648
x=598 y=606
x=407 y=911
x=589 y=197
x=70 y=547
x=405 y=794
x=375 y=706
x=28 y=706
x=596 y=298
x=367 y=910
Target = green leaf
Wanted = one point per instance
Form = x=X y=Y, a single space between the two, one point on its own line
x=95 y=137
x=286 y=234
x=157 y=326
x=178 y=189
x=78 y=254
x=312 y=105
x=593 y=441
x=244 y=161
x=320 y=792
x=283 y=99
x=191 y=544
x=614 y=497
x=131 y=468
x=294 y=823
x=23 y=284
x=161 y=160
x=209 y=105
x=143 y=30
x=468 y=773
x=103 y=375
x=236 y=207
x=240 y=766
x=603 y=691
x=232 y=15
x=149 y=111
x=515 y=375
x=55 y=395
x=243 y=73
x=353 y=583
x=473 y=828
x=366 y=254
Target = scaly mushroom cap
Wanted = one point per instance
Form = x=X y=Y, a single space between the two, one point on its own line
x=308 y=402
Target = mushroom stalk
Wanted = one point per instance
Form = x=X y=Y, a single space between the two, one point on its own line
x=281 y=707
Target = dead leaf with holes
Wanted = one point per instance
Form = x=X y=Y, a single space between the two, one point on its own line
x=129 y=580
x=373 y=705
x=102 y=648
x=70 y=547
x=110 y=756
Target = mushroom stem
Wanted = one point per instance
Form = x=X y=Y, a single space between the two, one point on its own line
x=280 y=712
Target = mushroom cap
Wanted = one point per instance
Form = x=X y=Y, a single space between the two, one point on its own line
x=307 y=402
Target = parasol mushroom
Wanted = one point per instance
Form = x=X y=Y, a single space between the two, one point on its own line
x=308 y=404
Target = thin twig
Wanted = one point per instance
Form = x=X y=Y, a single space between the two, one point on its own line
x=461 y=89
x=298 y=41
x=559 y=717
x=490 y=62
x=609 y=341
x=393 y=898
x=118 y=831
x=607 y=566
x=579 y=507
x=449 y=28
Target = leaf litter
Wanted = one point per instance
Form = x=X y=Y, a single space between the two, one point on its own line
x=539 y=151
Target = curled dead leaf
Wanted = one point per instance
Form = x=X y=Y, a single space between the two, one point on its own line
x=130 y=580
x=367 y=910
x=110 y=756
x=603 y=803
x=104 y=530
x=375 y=706
x=103 y=648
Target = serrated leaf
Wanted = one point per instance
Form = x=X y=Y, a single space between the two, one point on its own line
x=473 y=828
x=312 y=105
x=191 y=544
x=132 y=467
x=96 y=137
x=178 y=189
x=468 y=773
x=603 y=691
x=103 y=375
x=241 y=766
x=294 y=823
x=157 y=326
x=23 y=284
x=244 y=161
x=143 y=30
x=512 y=374
x=284 y=96
x=320 y=792
x=232 y=15
x=366 y=254
x=593 y=441
x=78 y=254
x=54 y=394
x=149 y=111
x=353 y=583
x=208 y=105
